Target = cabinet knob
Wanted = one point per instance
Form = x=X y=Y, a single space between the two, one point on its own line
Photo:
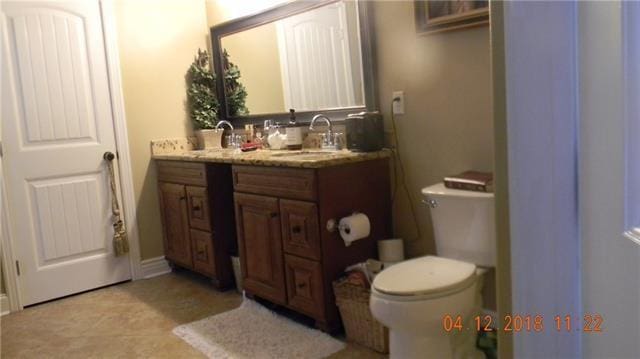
x=301 y=285
x=274 y=214
x=296 y=229
x=196 y=207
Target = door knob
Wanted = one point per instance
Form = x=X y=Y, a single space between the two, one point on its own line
x=109 y=156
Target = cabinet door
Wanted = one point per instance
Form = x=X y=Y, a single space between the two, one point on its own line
x=260 y=244
x=198 y=208
x=173 y=205
x=202 y=246
x=304 y=285
x=300 y=231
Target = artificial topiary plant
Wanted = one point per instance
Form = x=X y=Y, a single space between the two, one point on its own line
x=201 y=94
x=235 y=91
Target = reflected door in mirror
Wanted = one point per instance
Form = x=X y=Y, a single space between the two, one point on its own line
x=320 y=66
x=310 y=61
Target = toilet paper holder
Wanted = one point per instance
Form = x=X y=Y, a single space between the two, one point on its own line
x=334 y=226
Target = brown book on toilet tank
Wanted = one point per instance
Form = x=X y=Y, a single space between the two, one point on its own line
x=471 y=181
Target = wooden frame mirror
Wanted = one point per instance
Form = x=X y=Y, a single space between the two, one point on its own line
x=368 y=97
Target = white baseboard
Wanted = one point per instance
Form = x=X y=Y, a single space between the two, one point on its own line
x=153 y=267
x=4 y=305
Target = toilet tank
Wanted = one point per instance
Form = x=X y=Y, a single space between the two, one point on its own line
x=463 y=223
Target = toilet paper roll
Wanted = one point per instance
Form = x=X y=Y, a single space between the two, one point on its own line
x=391 y=250
x=354 y=227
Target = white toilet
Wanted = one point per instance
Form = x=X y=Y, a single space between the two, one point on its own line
x=411 y=298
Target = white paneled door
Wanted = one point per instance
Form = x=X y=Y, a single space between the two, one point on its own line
x=609 y=52
x=56 y=124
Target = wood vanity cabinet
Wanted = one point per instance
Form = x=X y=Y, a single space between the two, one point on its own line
x=288 y=256
x=196 y=204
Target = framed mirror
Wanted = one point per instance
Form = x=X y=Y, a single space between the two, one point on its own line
x=311 y=56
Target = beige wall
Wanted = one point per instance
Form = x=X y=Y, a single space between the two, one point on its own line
x=219 y=11
x=157 y=41
x=260 y=69
x=447 y=126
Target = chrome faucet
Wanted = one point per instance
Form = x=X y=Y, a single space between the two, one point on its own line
x=233 y=140
x=224 y=122
x=328 y=141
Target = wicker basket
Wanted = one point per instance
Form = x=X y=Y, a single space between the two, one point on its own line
x=361 y=327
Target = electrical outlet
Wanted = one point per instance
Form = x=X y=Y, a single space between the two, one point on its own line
x=398 y=106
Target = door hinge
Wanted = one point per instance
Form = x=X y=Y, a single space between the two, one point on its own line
x=18 y=267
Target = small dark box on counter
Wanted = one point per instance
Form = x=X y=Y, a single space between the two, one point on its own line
x=365 y=132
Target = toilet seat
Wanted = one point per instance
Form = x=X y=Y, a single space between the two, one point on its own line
x=424 y=278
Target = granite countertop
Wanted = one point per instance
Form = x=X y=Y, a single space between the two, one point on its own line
x=307 y=158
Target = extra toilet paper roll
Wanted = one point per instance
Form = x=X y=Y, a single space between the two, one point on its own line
x=391 y=250
x=354 y=227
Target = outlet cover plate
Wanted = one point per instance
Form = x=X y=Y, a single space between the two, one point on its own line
x=398 y=106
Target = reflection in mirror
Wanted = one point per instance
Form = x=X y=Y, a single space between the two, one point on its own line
x=310 y=61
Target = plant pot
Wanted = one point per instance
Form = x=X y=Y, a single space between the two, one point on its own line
x=208 y=139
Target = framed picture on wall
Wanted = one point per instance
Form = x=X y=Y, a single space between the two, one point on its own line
x=433 y=16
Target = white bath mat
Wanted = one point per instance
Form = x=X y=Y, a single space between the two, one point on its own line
x=252 y=331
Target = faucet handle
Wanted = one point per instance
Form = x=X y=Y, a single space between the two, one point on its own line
x=324 y=139
x=338 y=140
x=328 y=140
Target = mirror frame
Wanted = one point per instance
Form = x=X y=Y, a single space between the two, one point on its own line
x=365 y=14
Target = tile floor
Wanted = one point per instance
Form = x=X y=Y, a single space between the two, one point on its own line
x=129 y=320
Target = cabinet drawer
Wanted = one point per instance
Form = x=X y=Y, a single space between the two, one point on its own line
x=277 y=182
x=304 y=285
x=300 y=230
x=198 y=208
x=182 y=172
x=202 y=248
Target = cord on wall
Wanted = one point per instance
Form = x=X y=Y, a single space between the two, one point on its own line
x=399 y=176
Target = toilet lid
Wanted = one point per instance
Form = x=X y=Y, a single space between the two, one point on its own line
x=425 y=275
